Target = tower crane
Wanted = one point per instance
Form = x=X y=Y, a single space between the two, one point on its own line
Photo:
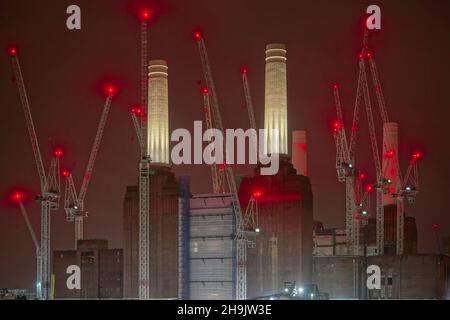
x=345 y=157
x=251 y=213
x=139 y=116
x=73 y=202
x=241 y=234
x=18 y=197
x=407 y=187
x=50 y=183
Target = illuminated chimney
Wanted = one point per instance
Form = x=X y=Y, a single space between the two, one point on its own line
x=158 y=112
x=275 y=104
x=299 y=152
x=390 y=158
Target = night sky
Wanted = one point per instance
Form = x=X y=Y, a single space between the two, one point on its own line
x=64 y=72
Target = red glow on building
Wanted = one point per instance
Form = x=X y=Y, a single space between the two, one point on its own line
x=145 y=14
x=244 y=70
x=12 y=52
x=198 y=36
x=390 y=154
x=222 y=166
x=205 y=89
x=58 y=153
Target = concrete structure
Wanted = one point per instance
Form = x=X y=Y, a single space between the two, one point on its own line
x=283 y=251
x=163 y=235
x=419 y=276
x=101 y=271
x=299 y=152
x=275 y=103
x=446 y=246
x=207 y=248
x=390 y=158
x=332 y=242
x=158 y=112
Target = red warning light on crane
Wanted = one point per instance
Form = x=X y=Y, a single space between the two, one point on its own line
x=17 y=196
x=257 y=194
x=58 y=153
x=416 y=155
x=110 y=90
x=65 y=173
x=145 y=14
x=362 y=175
x=205 y=90
x=12 y=51
x=390 y=154
x=198 y=36
x=137 y=111
x=336 y=126
x=369 y=188
x=335 y=86
x=244 y=70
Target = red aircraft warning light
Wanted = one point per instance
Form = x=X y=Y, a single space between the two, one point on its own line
x=58 y=153
x=145 y=14
x=361 y=56
x=369 y=188
x=335 y=86
x=435 y=226
x=198 y=36
x=416 y=155
x=336 y=126
x=390 y=154
x=205 y=89
x=257 y=194
x=17 y=196
x=362 y=175
x=137 y=111
x=244 y=70
x=110 y=90
x=65 y=173
x=12 y=51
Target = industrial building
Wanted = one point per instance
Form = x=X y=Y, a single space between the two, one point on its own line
x=333 y=241
x=163 y=241
x=101 y=271
x=283 y=249
x=207 y=246
x=418 y=276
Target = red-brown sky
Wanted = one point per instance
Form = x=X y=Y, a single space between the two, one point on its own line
x=63 y=70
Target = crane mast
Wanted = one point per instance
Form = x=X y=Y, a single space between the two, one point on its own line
x=73 y=203
x=248 y=99
x=217 y=171
x=241 y=263
x=144 y=166
x=50 y=184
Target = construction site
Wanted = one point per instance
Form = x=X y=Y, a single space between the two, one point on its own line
x=246 y=235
